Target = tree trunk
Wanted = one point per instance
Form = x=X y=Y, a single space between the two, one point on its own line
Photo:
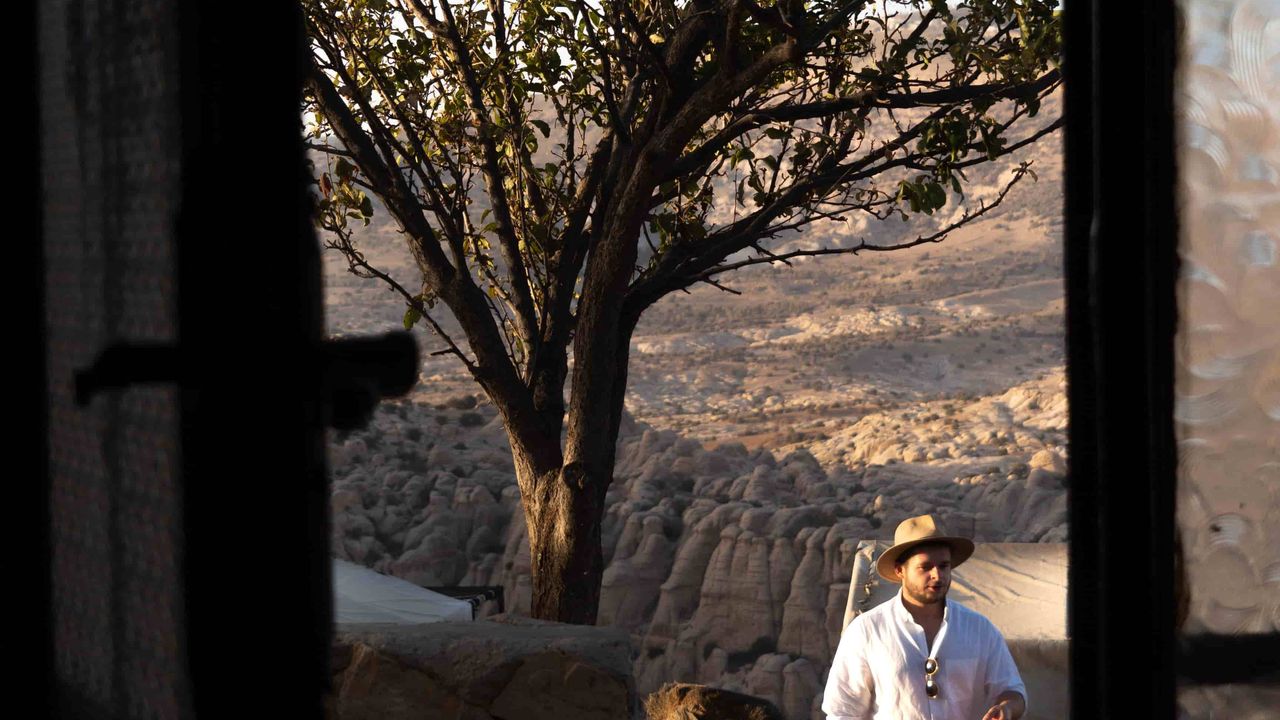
x=564 y=502
x=563 y=518
x=564 y=507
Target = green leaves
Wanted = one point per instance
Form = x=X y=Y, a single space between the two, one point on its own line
x=411 y=317
x=922 y=195
x=413 y=310
x=340 y=199
x=344 y=170
x=992 y=141
x=512 y=100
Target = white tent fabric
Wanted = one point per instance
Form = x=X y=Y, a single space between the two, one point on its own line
x=1020 y=587
x=361 y=595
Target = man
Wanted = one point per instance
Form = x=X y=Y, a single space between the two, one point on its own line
x=920 y=655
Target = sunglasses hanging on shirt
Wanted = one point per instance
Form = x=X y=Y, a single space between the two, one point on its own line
x=930 y=686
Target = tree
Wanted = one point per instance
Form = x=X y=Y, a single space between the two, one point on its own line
x=529 y=150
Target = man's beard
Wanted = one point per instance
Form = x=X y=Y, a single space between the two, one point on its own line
x=927 y=598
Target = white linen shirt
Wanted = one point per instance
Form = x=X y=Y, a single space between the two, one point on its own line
x=878 y=669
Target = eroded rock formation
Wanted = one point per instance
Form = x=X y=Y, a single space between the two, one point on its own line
x=728 y=567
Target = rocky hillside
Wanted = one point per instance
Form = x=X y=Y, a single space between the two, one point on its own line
x=729 y=566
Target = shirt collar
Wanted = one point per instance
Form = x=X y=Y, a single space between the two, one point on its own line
x=903 y=618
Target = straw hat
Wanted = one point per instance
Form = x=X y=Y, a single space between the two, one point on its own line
x=917 y=531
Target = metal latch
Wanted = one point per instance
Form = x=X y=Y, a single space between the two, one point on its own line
x=353 y=374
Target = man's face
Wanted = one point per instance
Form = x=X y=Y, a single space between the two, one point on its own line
x=926 y=574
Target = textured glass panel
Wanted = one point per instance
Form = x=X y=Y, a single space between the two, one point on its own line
x=1228 y=344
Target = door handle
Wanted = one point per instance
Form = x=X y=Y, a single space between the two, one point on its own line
x=351 y=375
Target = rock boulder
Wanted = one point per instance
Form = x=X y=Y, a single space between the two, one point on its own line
x=683 y=701
x=505 y=669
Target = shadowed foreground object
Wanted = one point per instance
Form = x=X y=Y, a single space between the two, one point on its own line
x=501 y=667
x=684 y=701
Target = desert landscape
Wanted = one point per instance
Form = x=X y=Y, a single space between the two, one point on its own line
x=767 y=434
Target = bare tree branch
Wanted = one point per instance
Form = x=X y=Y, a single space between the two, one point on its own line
x=935 y=237
x=363 y=268
x=522 y=298
x=426 y=249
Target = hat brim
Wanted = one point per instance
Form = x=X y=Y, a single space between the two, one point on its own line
x=961 y=550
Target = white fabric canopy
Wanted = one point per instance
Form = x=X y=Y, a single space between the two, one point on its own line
x=361 y=595
x=1021 y=587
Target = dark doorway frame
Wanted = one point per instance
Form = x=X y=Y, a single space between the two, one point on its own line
x=27 y=298
x=1124 y=586
x=1121 y=258
x=1121 y=268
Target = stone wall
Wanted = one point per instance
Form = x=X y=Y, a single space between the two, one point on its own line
x=498 y=669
